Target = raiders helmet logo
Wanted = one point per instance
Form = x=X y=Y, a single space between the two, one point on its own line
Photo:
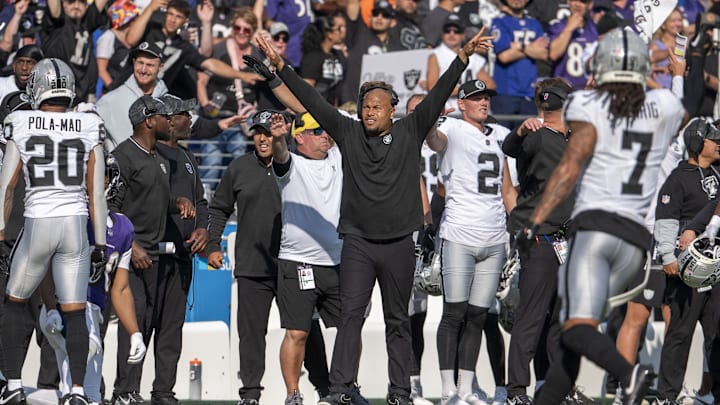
x=387 y=139
x=710 y=186
x=163 y=168
x=411 y=78
x=189 y=168
x=648 y=294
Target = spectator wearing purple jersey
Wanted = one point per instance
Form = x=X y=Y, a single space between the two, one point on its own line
x=520 y=42
x=660 y=48
x=568 y=39
x=296 y=15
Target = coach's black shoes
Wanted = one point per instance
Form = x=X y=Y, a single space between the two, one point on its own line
x=521 y=399
x=248 y=401
x=164 y=400
x=398 y=399
x=12 y=397
x=640 y=381
x=74 y=399
x=356 y=397
x=128 y=398
x=336 y=398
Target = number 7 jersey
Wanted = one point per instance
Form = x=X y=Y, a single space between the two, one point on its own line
x=621 y=176
x=54 y=148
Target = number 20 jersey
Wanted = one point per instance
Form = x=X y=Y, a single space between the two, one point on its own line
x=54 y=148
x=621 y=176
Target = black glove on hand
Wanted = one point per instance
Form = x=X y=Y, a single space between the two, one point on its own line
x=259 y=67
x=427 y=239
x=4 y=258
x=526 y=233
x=99 y=261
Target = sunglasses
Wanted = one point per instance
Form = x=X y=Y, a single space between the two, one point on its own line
x=316 y=131
x=242 y=30
x=281 y=38
x=383 y=13
x=452 y=30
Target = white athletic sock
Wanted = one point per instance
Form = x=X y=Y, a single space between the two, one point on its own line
x=464 y=384
x=14 y=384
x=78 y=390
x=447 y=378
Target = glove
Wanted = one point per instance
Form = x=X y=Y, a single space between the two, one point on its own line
x=711 y=230
x=4 y=258
x=52 y=323
x=260 y=68
x=99 y=261
x=137 y=348
x=427 y=239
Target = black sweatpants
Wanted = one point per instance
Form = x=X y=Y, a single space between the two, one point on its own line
x=255 y=296
x=538 y=299
x=160 y=296
x=362 y=262
x=687 y=307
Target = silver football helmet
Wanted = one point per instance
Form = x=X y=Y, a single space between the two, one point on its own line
x=508 y=291
x=699 y=264
x=51 y=78
x=621 y=57
x=428 y=277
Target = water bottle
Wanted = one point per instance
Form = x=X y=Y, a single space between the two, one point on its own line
x=195 y=388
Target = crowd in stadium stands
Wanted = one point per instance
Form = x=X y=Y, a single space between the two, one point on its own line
x=271 y=83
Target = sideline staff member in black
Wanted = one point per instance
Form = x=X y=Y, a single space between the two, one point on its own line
x=537 y=146
x=144 y=196
x=381 y=161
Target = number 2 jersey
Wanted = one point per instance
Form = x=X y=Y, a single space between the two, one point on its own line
x=471 y=167
x=54 y=148
x=621 y=176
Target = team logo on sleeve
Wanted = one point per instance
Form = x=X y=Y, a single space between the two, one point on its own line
x=665 y=199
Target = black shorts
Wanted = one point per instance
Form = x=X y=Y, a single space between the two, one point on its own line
x=652 y=296
x=297 y=307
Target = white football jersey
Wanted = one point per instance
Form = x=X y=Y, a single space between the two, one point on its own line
x=622 y=174
x=54 y=148
x=471 y=169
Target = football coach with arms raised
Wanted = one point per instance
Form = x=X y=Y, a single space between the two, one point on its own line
x=381 y=164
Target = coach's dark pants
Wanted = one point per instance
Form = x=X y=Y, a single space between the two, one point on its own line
x=255 y=295
x=362 y=262
x=538 y=305
x=687 y=307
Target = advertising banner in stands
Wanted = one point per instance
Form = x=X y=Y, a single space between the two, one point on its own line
x=404 y=70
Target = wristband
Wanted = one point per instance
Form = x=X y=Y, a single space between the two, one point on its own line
x=274 y=82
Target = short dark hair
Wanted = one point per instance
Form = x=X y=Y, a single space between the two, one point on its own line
x=181 y=6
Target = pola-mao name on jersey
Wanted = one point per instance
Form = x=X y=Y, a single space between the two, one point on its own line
x=54 y=148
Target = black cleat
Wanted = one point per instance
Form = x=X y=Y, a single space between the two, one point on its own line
x=336 y=398
x=640 y=381
x=12 y=397
x=74 y=399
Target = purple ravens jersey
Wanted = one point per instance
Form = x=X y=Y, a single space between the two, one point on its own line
x=570 y=66
x=515 y=78
x=120 y=235
x=296 y=14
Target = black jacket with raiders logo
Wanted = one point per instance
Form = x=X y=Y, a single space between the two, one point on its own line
x=686 y=191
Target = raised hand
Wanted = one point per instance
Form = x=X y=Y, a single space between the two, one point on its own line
x=269 y=50
x=477 y=44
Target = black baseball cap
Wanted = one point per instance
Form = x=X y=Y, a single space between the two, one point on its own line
x=261 y=119
x=146 y=49
x=146 y=106
x=176 y=105
x=473 y=87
